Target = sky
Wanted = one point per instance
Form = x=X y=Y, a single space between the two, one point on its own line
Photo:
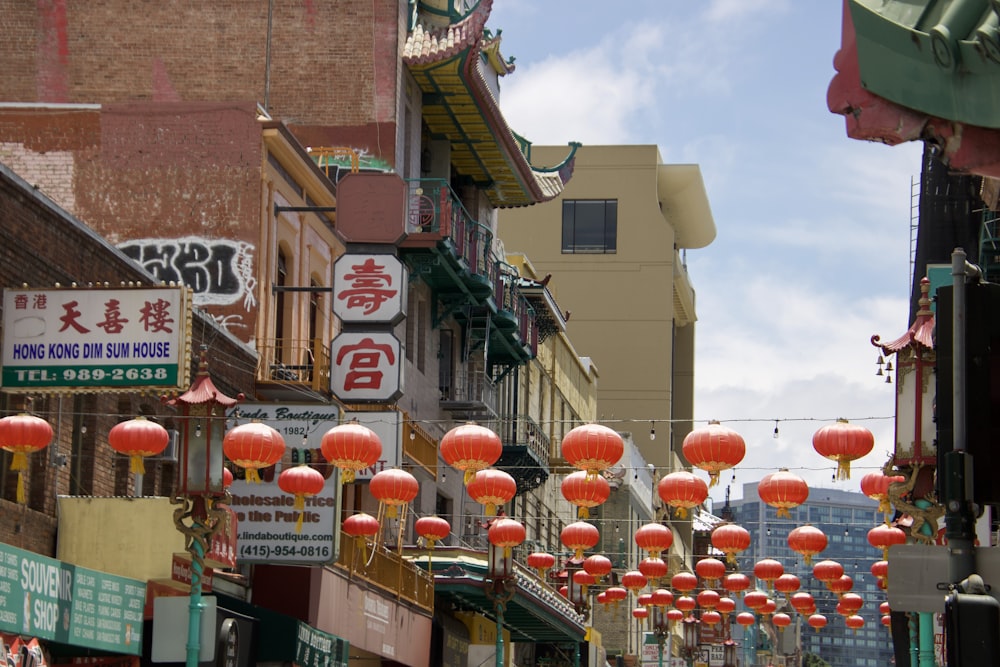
x=813 y=246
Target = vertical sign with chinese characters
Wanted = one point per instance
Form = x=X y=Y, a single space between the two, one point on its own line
x=369 y=289
x=369 y=298
x=65 y=339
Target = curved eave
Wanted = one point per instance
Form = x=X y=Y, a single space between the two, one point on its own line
x=459 y=105
x=684 y=202
x=920 y=334
x=923 y=57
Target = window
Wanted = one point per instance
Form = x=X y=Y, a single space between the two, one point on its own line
x=590 y=226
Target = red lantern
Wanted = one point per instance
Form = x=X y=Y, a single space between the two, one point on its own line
x=781 y=620
x=851 y=602
x=768 y=570
x=746 y=619
x=585 y=491
x=736 y=583
x=506 y=533
x=634 y=581
x=583 y=579
x=713 y=449
x=470 y=448
x=593 y=448
x=787 y=583
x=137 y=438
x=827 y=570
x=884 y=536
x=646 y=599
x=684 y=582
x=685 y=603
x=708 y=599
x=783 y=490
x=755 y=600
x=880 y=570
x=432 y=529
x=884 y=608
x=253 y=446
x=352 y=448
x=302 y=482
x=711 y=617
x=682 y=490
x=21 y=435
x=661 y=597
x=817 y=621
x=597 y=565
x=541 y=561
x=875 y=485
x=492 y=488
x=886 y=620
x=768 y=607
x=616 y=594
x=711 y=570
x=726 y=606
x=361 y=526
x=802 y=602
x=579 y=536
x=843 y=442
x=674 y=615
x=602 y=598
x=640 y=613
x=227 y=478
x=731 y=540
x=807 y=540
x=654 y=538
x=854 y=622
x=654 y=569
x=841 y=585
x=394 y=488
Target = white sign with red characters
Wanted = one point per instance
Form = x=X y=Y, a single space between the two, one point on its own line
x=62 y=339
x=369 y=289
x=365 y=367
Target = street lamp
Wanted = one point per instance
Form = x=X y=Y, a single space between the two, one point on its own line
x=202 y=493
x=504 y=533
x=691 y=650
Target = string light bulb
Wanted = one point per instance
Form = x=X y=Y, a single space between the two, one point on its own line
x=652 y=430
x=775 y=429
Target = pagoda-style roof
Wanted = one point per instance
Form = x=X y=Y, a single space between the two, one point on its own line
x=914 y=70
x=457 y=66
x=920 y=333
x=203 y=390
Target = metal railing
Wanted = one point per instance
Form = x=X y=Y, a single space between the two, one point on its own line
x=470 y=387
x=386 y=570
x=523 y=431
x=294 y=361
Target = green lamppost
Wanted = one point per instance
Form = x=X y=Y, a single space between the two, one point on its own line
x=202 y=421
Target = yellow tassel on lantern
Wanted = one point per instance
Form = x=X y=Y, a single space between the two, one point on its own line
x=253 y=477
x=20 y=463
x=299 y=506
x=136 y=465
x=583 y=513
x=469 y=476
x=347 y=476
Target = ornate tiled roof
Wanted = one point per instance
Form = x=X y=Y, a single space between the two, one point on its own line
x=921 y=332
x=448 y=64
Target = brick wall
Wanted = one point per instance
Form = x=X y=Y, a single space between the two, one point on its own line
x=40 y=245
x=332 y=64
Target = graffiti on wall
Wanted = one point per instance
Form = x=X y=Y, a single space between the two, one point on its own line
x=218 y=271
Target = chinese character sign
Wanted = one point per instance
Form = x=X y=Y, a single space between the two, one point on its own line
x=369 y=289
x=366 y=366
x=83 y=338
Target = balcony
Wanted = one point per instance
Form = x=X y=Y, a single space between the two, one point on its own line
x=293 y=369
x=469 y=395
x=525 y=454
x=446 y=247
x=388 y=571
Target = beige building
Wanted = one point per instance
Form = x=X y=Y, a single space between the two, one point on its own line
x=616 y=239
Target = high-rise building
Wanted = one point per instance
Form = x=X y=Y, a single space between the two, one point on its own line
x=845 y=517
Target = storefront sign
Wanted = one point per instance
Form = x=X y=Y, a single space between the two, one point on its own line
x=315 y=648
x=47 y=598
x=369 y=289
x=222 y=548
x=301 y=425
x=65 y=339
x=266 y=520
x=366 y=367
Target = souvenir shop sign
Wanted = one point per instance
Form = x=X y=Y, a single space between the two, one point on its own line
x=49 y=599
x=83 y=339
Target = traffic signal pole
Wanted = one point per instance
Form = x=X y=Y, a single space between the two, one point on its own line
x=960 y=515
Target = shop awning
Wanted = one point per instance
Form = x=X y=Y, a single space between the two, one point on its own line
x=534 y=613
